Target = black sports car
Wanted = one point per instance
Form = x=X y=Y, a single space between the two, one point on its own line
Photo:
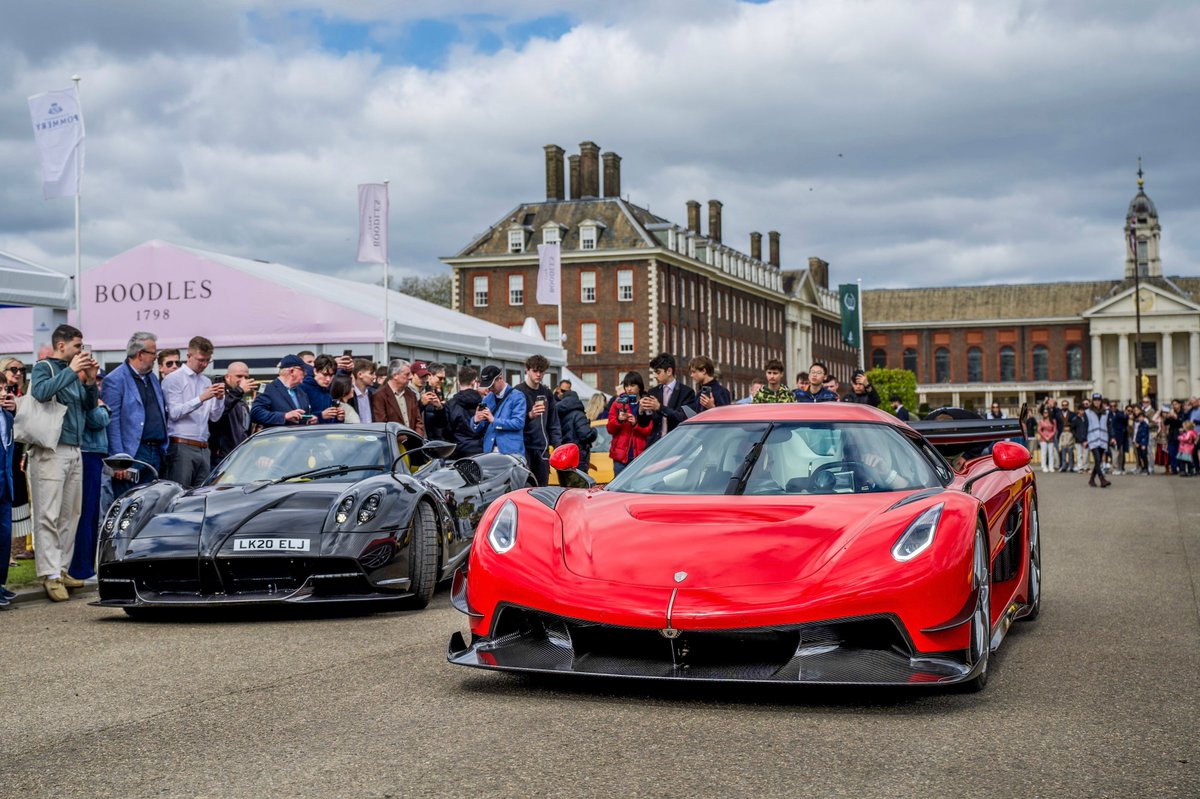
x=325 y=513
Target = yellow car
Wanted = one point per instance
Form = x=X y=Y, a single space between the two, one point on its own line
x=600 y=465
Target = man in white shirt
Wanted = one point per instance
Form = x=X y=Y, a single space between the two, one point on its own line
x=192 y=401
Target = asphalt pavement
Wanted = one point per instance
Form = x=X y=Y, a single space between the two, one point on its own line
x=1098 y=698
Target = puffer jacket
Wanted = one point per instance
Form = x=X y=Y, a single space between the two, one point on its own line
x=628 y=437
x=576 y=429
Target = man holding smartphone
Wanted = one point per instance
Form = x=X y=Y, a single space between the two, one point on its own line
x=193 y=401
x=282 y=402
x=542 y=429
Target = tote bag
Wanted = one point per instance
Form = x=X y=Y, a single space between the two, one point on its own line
x=39 y=424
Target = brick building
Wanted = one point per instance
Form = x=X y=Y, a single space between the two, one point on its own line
x=635 y=284
x=972 y=345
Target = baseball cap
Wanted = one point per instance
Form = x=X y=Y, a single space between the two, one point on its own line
x=292 y=360
x=1097 y=395
x=488 y=375
x=420 y=368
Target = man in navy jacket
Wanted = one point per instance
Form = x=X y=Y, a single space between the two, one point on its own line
x=283 y=401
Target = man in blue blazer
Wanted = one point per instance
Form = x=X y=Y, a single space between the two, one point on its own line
x=283 y=401
x=7 y=406
x=138 y=422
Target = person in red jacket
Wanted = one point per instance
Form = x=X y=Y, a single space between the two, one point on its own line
x=628 y=428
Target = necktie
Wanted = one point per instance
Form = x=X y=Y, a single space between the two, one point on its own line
x=666 y=403
x=295 y=401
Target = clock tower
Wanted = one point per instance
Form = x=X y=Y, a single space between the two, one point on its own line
x=1142 y=234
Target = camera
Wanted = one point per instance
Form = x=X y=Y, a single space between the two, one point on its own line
x=628 y=399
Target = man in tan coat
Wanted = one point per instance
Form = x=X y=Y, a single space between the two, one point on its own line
x=394 y=402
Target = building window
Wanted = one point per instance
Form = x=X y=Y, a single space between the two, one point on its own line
x=516 y=289
x=550 y=235
x=1143 y=257
x=516 y=241
x=481 y=291
x=625 y=337
x=587 y=286
x=552 y=335
x=1041 y=363
x=910 y=360
x=878 y=358
x=624 y=285
x=587 y=338
x=1008 y=365
x=591 y=378
x=941 y=365
x=1075 y=362
x=974 y=365
x=1149 y=357
x=587 y=238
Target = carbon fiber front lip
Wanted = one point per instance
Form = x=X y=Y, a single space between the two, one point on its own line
x=818 y=658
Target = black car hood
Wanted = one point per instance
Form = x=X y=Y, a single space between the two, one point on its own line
x=210 y=514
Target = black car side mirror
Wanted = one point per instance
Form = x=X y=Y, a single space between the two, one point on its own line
x=439 y=449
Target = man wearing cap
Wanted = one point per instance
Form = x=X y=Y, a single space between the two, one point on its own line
x=282 y=402
x=506 y=413
x=1099 y=435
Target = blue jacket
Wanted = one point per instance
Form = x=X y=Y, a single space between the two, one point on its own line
x=507 y=430
x=95 y=431
x=273 y=402
x=1141 y=435
x=127 y=414
x=318 y=398
x=720 y=396
x=824 y=395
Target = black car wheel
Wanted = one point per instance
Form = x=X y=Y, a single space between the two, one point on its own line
x=1034 y=599
x=981 y=619
x=422 y=557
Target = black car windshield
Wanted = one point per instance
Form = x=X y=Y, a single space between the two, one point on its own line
x=779 y=458
x=270 y=457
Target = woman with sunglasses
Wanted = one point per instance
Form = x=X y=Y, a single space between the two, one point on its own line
x=16 y=377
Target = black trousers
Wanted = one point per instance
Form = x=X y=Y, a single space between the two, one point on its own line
x=1097 y=464
x=539 y=465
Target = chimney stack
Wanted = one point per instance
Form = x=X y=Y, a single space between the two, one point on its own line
x=714 y=220
x=554 y=172
x=693 y=213
x=756 y=246
x=820 y=271
x=773 y=238
x=589 y=168
x=573 y=168
x=612 y=174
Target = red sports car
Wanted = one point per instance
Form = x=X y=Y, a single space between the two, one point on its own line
x=806 y=543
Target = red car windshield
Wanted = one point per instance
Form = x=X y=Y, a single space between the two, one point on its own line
x=779 y=458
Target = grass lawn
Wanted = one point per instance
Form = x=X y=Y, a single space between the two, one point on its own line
x=23 y=573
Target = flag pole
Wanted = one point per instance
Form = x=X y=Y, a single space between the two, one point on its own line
x=78 y=190
x=862 y=361
x=387 y=322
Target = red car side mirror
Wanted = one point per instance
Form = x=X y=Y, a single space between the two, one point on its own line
x=565 y=458
x=1008 y=455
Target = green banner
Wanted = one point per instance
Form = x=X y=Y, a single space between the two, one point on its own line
x=848 y=302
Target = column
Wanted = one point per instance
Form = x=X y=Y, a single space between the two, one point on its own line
x=1194 y=362
x=1126 y=380
x=1166 y=370
x=956 y=400
x=1097 y=363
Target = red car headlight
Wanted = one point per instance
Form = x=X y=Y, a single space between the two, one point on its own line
x=919 y=535
x=502 y=534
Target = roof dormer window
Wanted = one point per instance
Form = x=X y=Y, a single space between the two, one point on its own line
x=552 y=233
x=589 y=234
x=516 y=241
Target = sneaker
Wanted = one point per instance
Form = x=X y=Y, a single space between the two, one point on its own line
x=55 y=589
x=71 y=582
x=6 y=594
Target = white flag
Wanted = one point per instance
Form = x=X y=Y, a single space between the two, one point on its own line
x=549 y=289
x=372 y=223
x=58 y=131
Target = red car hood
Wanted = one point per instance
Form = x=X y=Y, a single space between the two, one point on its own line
x=719 y=541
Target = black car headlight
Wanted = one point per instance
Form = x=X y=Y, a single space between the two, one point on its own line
x=343 y=509
x=919 y=535
x=131 y=510
x=110 y=519
x=502 y=535
x=369 y=507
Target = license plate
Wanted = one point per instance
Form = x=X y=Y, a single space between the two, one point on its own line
x=270 y=544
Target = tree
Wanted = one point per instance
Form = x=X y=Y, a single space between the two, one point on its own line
x=431 y=288
x=895 y=381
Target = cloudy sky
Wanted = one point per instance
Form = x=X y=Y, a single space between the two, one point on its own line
x=908 y=143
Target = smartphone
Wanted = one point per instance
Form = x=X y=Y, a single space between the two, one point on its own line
x=307 y=417
x=706 y=390
x=348 y=353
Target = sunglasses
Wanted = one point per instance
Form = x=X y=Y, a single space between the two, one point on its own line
x=170 y=363
x=17 y=370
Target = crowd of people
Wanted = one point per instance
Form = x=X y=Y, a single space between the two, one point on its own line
x=1117 y=439
x=160 y=408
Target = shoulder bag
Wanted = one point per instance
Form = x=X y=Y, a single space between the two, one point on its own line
x=39 y=424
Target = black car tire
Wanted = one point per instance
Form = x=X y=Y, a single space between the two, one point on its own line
x=981 y=621
x=422 y=557
x=1034 y=607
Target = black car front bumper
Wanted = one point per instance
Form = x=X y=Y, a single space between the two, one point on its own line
x=862 y=651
